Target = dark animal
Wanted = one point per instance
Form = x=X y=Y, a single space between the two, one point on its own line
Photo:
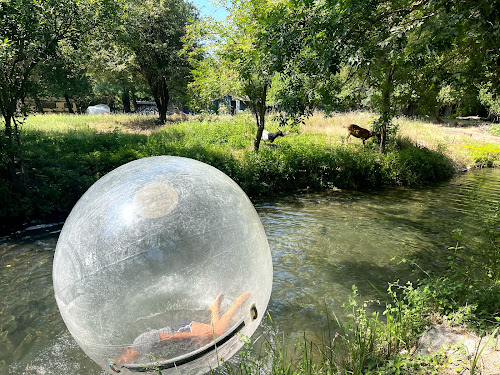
x=270 y=137
x=359 y=132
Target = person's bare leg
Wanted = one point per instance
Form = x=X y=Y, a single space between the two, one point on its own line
x=215 y=309
x=198 y=329
x=218 y=324
x=223 y=321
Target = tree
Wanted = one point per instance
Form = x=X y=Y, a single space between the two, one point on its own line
x=476 y=36
x=382 y=44
x=234 y=59
x=63 y=76
x=114 y=73
x=297 y=44
x=154 y=31
x=32 y=33
x=384 y=40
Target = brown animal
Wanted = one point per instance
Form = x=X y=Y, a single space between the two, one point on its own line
x=359 y=132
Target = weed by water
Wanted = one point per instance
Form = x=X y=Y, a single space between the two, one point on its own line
x=495 y=130
x=468 y=292
x=479 y=351
x=359 y=342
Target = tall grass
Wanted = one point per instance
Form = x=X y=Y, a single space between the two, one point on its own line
x=65 y=154
x=483 y=148
x=362 y=342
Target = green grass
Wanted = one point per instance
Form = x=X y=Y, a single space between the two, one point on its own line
x=495 y=130
x=447 y=138
x=65 y=154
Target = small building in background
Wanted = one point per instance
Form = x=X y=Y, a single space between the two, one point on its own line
x=230 y=103
x=53 y=105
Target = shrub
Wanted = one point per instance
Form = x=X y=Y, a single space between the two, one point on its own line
x=64 y=160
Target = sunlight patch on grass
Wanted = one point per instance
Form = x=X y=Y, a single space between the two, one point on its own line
x=63 y=123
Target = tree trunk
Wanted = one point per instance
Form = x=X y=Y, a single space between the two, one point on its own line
x=9 y=148
x=162 y=96
x=126 y=100
x=68 y=103
x=13 y=162
x=439 y=120
x=38 y=105
x=260 y=116
x=134 y=99
x=386 y=107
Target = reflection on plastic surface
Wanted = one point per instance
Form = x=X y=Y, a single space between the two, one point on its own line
x=152 y=256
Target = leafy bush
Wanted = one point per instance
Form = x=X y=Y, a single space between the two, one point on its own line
x=62 y=161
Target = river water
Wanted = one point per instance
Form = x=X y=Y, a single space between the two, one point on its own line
x=322 y=244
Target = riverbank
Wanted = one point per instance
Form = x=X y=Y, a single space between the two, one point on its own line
x=64 y=155
x=446 y=321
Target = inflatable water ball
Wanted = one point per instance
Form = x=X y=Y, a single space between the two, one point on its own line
x=162 y=264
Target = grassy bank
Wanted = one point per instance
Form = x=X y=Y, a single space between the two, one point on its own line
x=467 y=143
x=65 y=154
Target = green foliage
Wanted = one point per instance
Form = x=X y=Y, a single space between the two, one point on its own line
x=490 y=98
x=414 y=165
x=308 y=162
x=34 y=32
x=33 y=36
x=411 y=57
x=495 y=130
x=368 y=343
x=114 y=73
x=236 y=64
x=61 y=165
x=362 y=342
x=467 y=292
x=153 y=31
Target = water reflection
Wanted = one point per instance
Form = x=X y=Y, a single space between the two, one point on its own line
x=322 y=244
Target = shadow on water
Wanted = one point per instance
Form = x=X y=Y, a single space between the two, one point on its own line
x=321 y=245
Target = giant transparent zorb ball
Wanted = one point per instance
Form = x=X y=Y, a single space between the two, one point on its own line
x=162 y=264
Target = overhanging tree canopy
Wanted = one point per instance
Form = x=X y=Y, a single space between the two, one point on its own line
x=235 y=49
x=32 y=32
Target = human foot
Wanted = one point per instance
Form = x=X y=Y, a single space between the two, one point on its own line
x=214 y=307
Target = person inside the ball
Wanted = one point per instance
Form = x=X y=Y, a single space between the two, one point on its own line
x=200 y=333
